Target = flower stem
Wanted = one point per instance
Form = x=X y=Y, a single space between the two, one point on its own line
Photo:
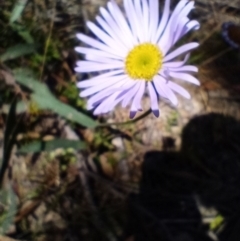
x=127 y=122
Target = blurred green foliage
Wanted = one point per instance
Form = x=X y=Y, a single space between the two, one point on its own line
x=8 y=209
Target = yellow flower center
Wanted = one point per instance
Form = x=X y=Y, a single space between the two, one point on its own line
x=144 y=61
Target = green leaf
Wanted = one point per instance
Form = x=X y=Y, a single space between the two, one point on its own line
x=18 y=51
x=23 y=32
x=17 y=10
x=38 y=146
x=9 y=138
x=8 y=200
x=45 y=100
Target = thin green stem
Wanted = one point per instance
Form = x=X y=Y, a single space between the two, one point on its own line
x=48 y=40
x=127 y=122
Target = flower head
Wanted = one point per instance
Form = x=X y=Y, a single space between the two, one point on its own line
x=133 y=55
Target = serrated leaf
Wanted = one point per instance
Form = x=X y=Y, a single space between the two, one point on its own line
x=18 y=51
x=17 y=10
x=38 y=146
x=46 y=100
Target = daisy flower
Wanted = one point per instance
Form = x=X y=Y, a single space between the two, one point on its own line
x=132 y=55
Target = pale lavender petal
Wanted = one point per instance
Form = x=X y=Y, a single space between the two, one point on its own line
x=186 y=77
x=96 y=52
x=180 y=90
x=145 y=9
x=154 y=99
x=121 y=20
x=183 y=13
x=87 y=63
x=177 y=63
x=179 y=13
x=116 y=35
x=189 y=26
x=163 y=21
x=99 y=97
x=115 y=27
x=165 y=41
x=98 y=59
x=113 y=103
x=132 y=92
x=96 y=99
x=180 y=29
x=134 y=107
x=93 y=67
x=106 y=39
x=109 y=91
x=159 y=88
x=99 y=79
x=94 y=43
x=106 y=105
x=154 y=18
x=185 y=68
x=133 y=19
x=94 y=89
x=138 y=97
x=102 y=82
x=133 y=112
x=180 y=6
x=183 y=49
x=138 y=8
x=161 y=84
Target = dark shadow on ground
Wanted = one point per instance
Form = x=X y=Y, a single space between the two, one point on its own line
x=207 y=167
